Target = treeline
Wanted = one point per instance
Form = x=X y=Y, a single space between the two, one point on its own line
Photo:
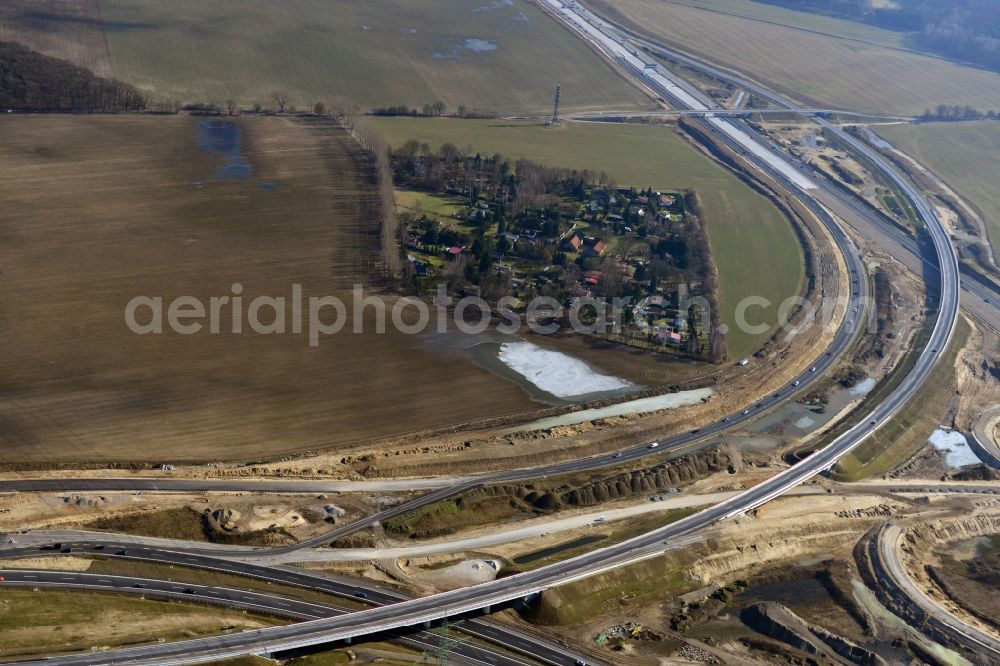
x=434 y=110
x=967 y=30
x=31 y=81
x=525 y=184
x=947 y=113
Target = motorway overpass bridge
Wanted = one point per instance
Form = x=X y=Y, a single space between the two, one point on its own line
x=739 y=113
x=483 y=597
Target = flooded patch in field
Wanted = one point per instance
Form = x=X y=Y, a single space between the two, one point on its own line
x=222 y=137
x=750 y=442
x=876 y=140
x=493 y=5
x=479 y=45
x=555 y=372
x=796 y=419
x=805 y=423
x=473 y=44
x=550 y=377
x=863 y=387
x=954 y=446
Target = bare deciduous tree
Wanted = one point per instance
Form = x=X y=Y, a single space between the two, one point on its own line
x=280 y=98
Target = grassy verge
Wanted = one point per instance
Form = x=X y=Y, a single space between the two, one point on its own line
x=634 y=585
x=597 y=489
x=434 y=206
x=908 y=431
x=44 y=622
x=193 y=575
x=901 y=207
x=389 y=654
x=186 y=524
x=636 y=527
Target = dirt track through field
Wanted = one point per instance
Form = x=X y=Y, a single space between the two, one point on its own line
x=356 y=256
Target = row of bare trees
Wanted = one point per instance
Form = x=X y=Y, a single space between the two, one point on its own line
x=372 y=143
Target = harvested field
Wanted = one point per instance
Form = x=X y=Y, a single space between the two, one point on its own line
x=505 y=56
x=814 y=68
x=67 y=29
x=965 y=155
x=131 y=206
x=766 y=12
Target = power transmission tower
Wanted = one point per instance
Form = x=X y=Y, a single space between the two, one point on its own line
x=446 y=643
x=554 y=120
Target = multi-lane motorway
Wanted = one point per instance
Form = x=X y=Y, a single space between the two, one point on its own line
x=294 y=608
x=416 y=612
x=399 y=614
x=979 y=299
x=110 y=546
x=535 y=648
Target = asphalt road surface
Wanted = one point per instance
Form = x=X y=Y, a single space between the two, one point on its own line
x=256 y=602
x=983 y=442
x=417 y=611
x=980 y=300
x=887 y=559
x=537 y=649
x=523 y=586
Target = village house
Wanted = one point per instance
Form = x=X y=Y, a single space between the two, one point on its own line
x=574 y=242
x=594 y=247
